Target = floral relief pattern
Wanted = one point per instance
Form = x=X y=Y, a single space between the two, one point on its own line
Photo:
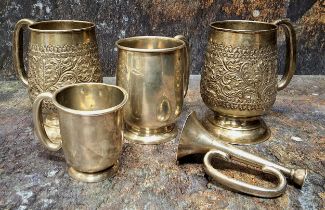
x=52 y=67
x=239 y=78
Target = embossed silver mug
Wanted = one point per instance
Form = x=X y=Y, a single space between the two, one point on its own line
x=239 y=79
x=60 y=52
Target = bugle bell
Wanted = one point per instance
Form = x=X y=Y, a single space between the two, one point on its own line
x=195 y=139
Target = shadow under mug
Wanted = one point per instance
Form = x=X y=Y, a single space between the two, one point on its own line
x=91 y=128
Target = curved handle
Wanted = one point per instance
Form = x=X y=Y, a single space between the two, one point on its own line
x=17 y=49
x=242 y=186
x=39 y=125
x=186 y=75
x=291 y=52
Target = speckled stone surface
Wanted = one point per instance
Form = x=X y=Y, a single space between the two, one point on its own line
x=124 y=18
x=149 y=178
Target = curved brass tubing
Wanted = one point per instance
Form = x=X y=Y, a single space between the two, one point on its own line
x=196 y=139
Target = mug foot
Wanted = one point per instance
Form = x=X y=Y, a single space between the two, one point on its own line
x=93 y=177
x=241 y=131
x=157 y=136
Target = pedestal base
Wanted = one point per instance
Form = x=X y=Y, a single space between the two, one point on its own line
x=157 y=136
x=93 y=177
x=238 y=130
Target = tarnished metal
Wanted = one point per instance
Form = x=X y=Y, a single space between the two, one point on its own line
x=155 y=72
x=239 y=79
x=196 y=139
x=91 y=127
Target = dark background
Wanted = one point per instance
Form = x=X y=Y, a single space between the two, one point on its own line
x=123 y=18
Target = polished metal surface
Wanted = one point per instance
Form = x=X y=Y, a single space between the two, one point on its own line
x=196 y=139
x=155 y=73
x=91 y=127
x=94 y=176
x=235 y=130
x=60 y=52
x=239 y=78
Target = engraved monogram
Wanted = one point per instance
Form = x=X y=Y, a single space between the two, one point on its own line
x=240 y=78
x=52 y=67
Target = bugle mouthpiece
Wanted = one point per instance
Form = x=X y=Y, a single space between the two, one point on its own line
x=298 y=176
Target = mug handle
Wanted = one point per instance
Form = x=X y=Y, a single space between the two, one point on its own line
x=291 y=52
x=186 y=75
x=17 y=49
x=39 y=125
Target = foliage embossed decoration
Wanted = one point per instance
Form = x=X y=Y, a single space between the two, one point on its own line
x=239 y=78
x=52 y=67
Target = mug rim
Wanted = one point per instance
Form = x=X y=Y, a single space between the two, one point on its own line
x=168 y=49
x=91 y=26
x=243 y=30
x=93 y=112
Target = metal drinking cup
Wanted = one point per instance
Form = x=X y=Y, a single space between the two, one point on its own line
x=239 y=79
x=60 y=52
x=155 y=72
x=91 y=127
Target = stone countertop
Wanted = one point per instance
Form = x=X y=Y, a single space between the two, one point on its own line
x=149 y=178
